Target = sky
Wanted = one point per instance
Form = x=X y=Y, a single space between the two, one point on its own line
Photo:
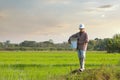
x=41 y=20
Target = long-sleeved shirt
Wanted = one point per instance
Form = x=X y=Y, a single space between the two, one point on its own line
x=82 y=40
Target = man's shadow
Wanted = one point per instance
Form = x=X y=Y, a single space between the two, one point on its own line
x=76 y=71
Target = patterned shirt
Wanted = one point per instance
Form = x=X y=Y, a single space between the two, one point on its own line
x=82 y=40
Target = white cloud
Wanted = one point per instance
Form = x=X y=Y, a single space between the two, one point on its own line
x=3 y=15
x=65 y=2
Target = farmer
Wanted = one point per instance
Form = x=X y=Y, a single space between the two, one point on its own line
x=82 y=42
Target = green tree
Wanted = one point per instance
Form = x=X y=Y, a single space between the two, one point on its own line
x=28 y=44
x=116 y=39
x=99 y=44
x=113 y=45
x=91 y=44
x=1 y=46
x=6 y=43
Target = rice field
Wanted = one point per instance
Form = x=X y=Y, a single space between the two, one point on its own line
x=46 y=65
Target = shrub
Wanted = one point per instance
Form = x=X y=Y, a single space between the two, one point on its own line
x=103 y=73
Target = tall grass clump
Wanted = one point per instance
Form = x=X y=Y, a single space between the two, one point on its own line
x=102 y=73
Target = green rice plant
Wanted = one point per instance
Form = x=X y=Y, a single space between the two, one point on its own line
x=54 y=65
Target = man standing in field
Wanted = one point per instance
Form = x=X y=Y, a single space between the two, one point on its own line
x=82 y=42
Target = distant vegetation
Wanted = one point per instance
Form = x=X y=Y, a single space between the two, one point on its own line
x=108 y=44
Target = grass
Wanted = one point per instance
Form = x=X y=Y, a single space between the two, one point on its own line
x=50 y=65
x=103 y=73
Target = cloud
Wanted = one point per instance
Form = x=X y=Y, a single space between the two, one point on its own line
x=108 y=7
x=65 y=2
x=3 y=15
x=105 y=6
x=20 y=23
x=101 y=11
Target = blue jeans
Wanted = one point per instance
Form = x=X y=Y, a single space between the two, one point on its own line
x=81 y=56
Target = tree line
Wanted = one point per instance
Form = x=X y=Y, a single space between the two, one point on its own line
x=110 y=45
x=34 y=46
x=107 y=44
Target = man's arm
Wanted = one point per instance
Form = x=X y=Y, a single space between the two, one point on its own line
x=73 y=36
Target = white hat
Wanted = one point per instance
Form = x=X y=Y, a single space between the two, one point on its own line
x=81 y=26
